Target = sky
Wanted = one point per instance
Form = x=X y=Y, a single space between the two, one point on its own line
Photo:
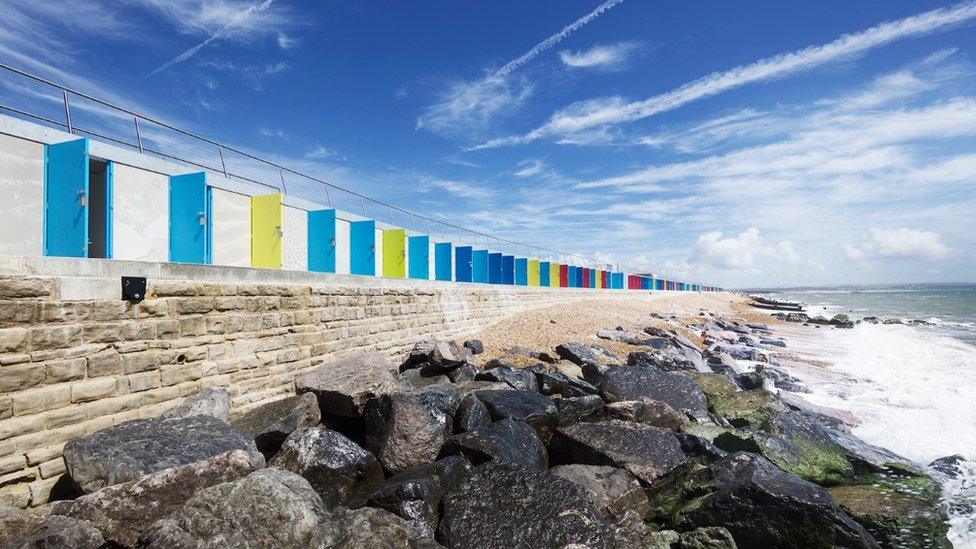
x=740 y=144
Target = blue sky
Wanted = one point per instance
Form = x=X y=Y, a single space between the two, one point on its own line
x=738 y=143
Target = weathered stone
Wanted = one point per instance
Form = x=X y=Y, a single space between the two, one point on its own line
x=121 y=512
x=442 y=356
x=572 y=410
x=581 y=353
x=135 y=448
x=503 y=506
x=531 y=353
x=636 y=382
x=506 y=441
x=476 y=346
x=553 y=382
x=464 y=372
x=536 y=410
x=59 y=532
x=407 y=430
x=415 y=494
x=894 y=518
x=516 y=378
x=667 y=359
x=213 y=402
x=343 y=386
x=268 y=508
x=613 y=491
x=371 y=528
x=337 y=468
x=647 y=452
x=14 y=340
x=16 y=523
x=761 y=506
x=271 y=423
x=416 y=378
x=471 y=414
x=593 y=373
x=648 y=412
x=747 y=408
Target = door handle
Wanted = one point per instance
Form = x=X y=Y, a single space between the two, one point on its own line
x=82 y=199
x=202 y=218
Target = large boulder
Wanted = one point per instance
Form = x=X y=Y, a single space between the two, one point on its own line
x=505 y=441
x=637 y=382
x=271 y=423
x=440 y=356
x=895 y=517
x=648 y=412
x=581 y=353
x=17 y=523
x=475 y=345
x=612 y=491
x=647 y=452
x=121 y=512
x=471 y=414
x=415 y=494
x=59 y=532
x=761 y=505
x=135 y=448
x=516 y=378
x=747 y=408
x=667 y=359
x=343 y=386
x=572 y=410
x=371 y=528
x=214 y=402
x=268 y=508
x=536 y=410
x=553 y=382
x=407 y=430
x=503 y=506
x=337 y=468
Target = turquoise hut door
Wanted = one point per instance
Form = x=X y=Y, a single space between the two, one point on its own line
x=66 y=196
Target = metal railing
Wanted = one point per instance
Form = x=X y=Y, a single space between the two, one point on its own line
x=304 y=185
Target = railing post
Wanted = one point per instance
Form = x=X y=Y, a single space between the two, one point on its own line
x=138 y=134
x=362 y=204
x=389 y=213
x=327 y=195
x=223 y=165
x=281 y=174
x=67 y=111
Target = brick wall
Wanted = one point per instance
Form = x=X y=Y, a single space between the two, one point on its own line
x=69 y=367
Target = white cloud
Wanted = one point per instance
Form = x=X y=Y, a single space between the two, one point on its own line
x=612 y=56
x=614 y=110
x=321 y=153
x=714 y=250
x=899 y=244
x=458 y=188
x=531 y=168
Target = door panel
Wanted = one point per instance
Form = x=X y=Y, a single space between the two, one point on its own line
x=66 y=199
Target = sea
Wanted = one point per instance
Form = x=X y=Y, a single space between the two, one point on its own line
x=911 y=386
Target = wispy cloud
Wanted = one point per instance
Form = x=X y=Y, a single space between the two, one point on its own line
x=898 y=244
x=458 y=188
x=606 y=57
x=615 y=110
x=467 y=107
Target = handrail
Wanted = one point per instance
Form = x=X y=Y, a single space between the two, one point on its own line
x=221 y=147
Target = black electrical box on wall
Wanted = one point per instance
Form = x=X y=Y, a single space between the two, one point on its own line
x=133 y=288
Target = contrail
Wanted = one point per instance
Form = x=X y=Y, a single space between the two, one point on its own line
x=595 y=113
x=237 y=20
x=555 y=39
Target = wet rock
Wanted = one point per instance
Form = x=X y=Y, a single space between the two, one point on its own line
x=135 y=448
x=60 y=532
x=271 y=423
x=894 y=518
x=949 y=466
x=553 y=382
x=504 y=506
x=581 y=353
x=121 y=512
x=268 y=508
x=416 y=378
x=407 y=430
x=762 y=506
x=516 y=378
x=714 y=537
x=538 y=411
x=780 y=378
x=343 y=386
x=636 y=382
x=818 y=320
x=612 y=491
x=506 y=441
x=572 y=410
x=747 y=408
x=647 y=452
x=339 y=470
x=648 y=412
x=471 y=414
x=16 y=523
x=667 y=360
x=464 y=372
x=797 y=317
x=713 y=385
x=842 y=321
x=569 y=369
x=593 y=373
x=772 y=342
x=631 y=338
x=214 y=402
x=371 y=528
x=748 y=381
x=531 y=353
x=475 y=345
x=699 y=448
x=415 y=494
x=442 y=356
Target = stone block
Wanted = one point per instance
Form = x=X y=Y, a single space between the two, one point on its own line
x=140 y=362
x=21 y=287
x=42 y=399
x=52 y=468
x=109 y=310
x=21 y=376
x=16 y=426
x=65 y=370
x=63 y=311
x=194 y=305
x=12 y=463
x=92 y=389
x=14 y=340
x=105 y=363
x=17 y=495
x=55 y=337
x=17 y=312
x=144 y=381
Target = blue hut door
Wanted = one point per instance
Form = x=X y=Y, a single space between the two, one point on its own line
x=66 y=199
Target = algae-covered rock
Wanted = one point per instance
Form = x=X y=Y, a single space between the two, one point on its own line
x=747 y=408
x=713 y=385
x=894 y=518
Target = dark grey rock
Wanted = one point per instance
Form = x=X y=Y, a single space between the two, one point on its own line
x=631 y=338
x=506 y=441
x=343 y=386
x=271 y=423
x=371 y=528
x=475 y=345
x=415 y=378
x=530 y=353
x=593 y=373
x=121 y=512
x=636 y=382
x=214 y=402
x=339 y=470
x=613 y=491
x=407 y=430
x=471 y=414
x=698 y=448
x=648 y=412
x=575 y=409
x=666 y=360
x=516 y=378
x=949 y=466
x=440 y=356
x=504 y=506
x=581 y=353
x=553 y=382
x=60 y=532
x=538 y=411
x=135 y=448
x=647 y=452
x=415 y=494
x=464 y=372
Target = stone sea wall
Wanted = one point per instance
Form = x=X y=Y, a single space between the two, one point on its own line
x=75 y=358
